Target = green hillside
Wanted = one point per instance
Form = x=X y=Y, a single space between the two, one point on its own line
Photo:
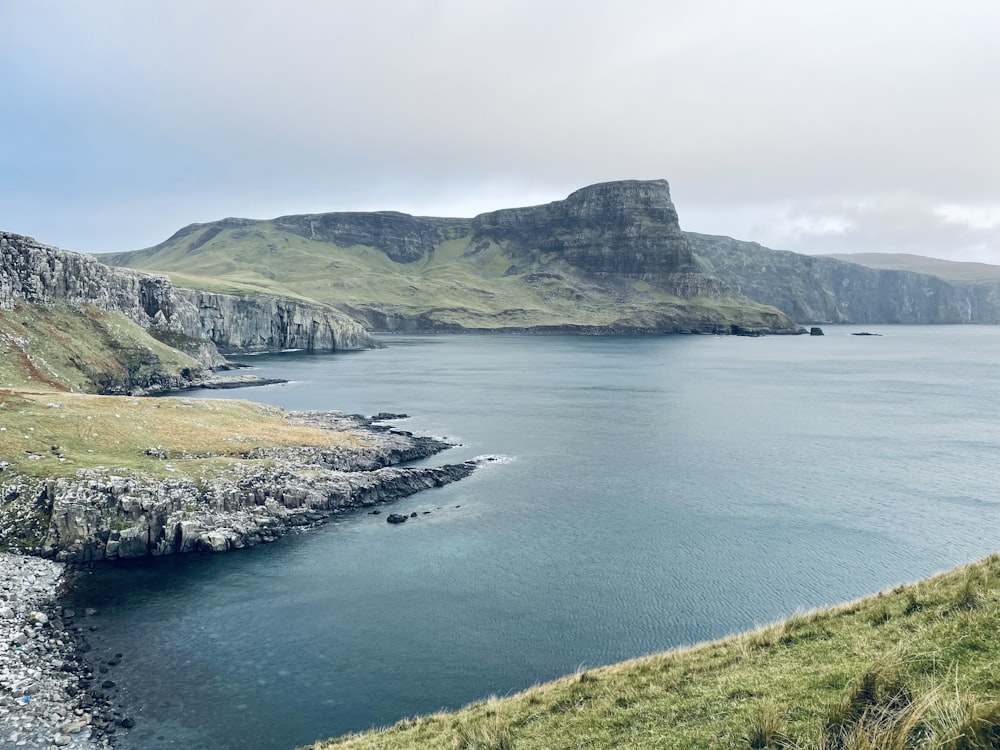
x=82 y=349
x=610 y=259
x=914 y=668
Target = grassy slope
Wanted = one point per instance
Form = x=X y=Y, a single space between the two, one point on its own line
x=911 y=668
x=455 y=285
x=57 y=347
x=949 y=270
x=52 y=361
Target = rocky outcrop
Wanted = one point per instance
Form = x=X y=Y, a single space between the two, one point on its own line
x=402 y=237
x=609 y=258
x=812 y=289
x=50 y=698
x=627 y=228
x=104 y=515
x=34 y=273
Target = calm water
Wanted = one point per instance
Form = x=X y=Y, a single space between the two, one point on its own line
x=654 y=492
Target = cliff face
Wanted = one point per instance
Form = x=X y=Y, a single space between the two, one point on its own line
x=402 y=237
x=610 y=258
x=100 y=514
x=38 y=274
x=627 y=228
x=813 y=289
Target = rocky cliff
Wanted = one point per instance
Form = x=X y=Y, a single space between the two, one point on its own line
x=812 y=289
x=610 y=258
x=39 y=274
x=102 y=514
x=626 y=228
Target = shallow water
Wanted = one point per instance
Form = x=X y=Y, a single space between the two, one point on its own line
x=653 y=492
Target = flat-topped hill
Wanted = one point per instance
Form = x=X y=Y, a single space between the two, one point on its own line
x=609 y=258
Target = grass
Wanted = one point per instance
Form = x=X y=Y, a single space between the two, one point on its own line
x=53 y=361
x=62 y=348
x=55 y=434
x=458 y=283
x=874 y=673
x=959 y=272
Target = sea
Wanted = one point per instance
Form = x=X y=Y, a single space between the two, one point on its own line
x=646 y=493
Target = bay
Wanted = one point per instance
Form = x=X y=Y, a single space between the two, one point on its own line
x=650 y=492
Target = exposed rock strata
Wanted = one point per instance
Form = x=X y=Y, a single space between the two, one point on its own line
x=610 y=258
x=39 y=274
x=825 y=290
x=626 y=228
x=101 y=515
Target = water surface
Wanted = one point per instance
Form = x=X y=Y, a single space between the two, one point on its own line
x=654 y=492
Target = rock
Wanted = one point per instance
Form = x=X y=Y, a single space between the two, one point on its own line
x=815 y=331
x=213 y=541
x=829 y=290
x=396 y=518
x=198 y=321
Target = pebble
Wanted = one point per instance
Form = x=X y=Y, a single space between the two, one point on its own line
x=39 y=696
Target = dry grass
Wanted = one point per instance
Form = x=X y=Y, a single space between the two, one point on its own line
x=57 y=433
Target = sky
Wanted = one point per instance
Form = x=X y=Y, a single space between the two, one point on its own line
x=814 y=126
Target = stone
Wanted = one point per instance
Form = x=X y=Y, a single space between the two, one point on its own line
x=395 y=518
x=815 y=331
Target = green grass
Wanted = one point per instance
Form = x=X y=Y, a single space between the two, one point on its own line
x=456 y=284
x=54 y=433
x=57 y=347
x=54 y=359
x=916 y=667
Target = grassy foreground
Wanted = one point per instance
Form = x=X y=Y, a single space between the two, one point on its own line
x=52 y=361
x=917 y=667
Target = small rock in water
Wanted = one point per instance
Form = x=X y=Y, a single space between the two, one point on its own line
x=396 y=518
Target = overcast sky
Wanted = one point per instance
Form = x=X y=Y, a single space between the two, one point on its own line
x=807 y=125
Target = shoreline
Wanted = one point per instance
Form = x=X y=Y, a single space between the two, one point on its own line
x=53 y=696
x=50 y=695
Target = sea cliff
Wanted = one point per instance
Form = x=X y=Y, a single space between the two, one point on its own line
x=102 y=513
x=33 y=273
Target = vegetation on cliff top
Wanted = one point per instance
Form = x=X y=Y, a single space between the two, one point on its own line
x=956 y=272
x=55 y=359
x=446 y=275
x=911 y=668
x=87 y=350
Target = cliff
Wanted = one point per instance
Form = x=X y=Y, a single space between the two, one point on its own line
x=33 y=273
x=815 y=289
x=610 y=258
x=628 y=228
x=96 y=513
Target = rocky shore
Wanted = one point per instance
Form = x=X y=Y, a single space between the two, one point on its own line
x=104 y=514
x=50 y=697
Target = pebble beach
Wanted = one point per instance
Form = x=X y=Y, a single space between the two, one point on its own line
x=50 y=696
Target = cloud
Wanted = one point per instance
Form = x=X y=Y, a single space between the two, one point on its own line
x=896 y=223
x=258 y=108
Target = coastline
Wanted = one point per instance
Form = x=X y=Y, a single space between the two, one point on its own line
x=50 y=695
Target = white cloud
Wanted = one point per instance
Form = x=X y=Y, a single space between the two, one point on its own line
x=780 y=114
